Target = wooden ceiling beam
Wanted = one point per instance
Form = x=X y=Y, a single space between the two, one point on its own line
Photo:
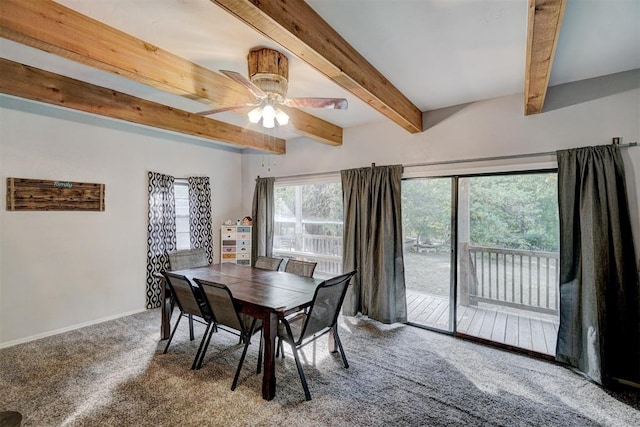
x=39 y=85
x=543 y=30
x=297 y=27
x=49 y=26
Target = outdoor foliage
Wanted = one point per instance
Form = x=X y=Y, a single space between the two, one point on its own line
x=507 y=211
x=426 y=210
x=318 y=202
x=515 y=211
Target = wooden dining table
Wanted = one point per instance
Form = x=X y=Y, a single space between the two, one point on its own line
x=263 y=294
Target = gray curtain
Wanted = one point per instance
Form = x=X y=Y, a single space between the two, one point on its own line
x=373 y=243
x=262 y=215
x=201 y=235
x=599 y=331
x=161 y=232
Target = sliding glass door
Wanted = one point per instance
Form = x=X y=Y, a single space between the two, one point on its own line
x=492 y=238
x=427 y=224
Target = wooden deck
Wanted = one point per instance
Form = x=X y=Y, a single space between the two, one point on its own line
x=529 y=332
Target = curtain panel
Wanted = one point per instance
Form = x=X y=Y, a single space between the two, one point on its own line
x=373 y=243
x=200 y=231
x=161 y=232
x=262 y=215
x=599 y=331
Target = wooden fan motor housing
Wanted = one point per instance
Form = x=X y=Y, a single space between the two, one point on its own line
x=269 y=70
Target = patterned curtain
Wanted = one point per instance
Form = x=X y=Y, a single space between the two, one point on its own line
x=161 y=236
x=200 y=214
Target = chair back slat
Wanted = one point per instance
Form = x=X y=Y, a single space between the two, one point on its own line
x=325 y=306
x=184 y=293
x=221 y=303
x=268 y=263
x=301 y=268
x=188 y=258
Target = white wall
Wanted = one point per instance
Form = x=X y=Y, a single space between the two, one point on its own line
x=495 y=127
x=59 y=270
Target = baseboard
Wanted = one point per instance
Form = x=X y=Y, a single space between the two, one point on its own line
x=69 y=328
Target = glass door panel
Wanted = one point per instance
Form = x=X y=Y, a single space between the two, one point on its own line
x=508 y=260
x=426 y=224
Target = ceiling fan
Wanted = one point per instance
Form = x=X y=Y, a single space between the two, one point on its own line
x=268 y=82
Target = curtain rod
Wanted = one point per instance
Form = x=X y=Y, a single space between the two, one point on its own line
x=451 y=162
x=514 y=156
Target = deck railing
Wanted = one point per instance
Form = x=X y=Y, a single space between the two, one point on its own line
x=325 y=250
x=508 y=277
x=514 y=278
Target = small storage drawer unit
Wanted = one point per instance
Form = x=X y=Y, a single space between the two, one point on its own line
x=235 y=244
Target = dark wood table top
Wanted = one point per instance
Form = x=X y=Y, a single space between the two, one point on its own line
x=275 y=290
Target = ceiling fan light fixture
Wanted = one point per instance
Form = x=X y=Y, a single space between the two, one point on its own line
x=268 y=112
x=268 y=122
x=268 y=74
x=282 y=117
x=255 y=115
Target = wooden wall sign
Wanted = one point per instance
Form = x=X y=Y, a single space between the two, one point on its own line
x=42 y=195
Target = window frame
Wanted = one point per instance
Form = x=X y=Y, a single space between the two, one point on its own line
x=182 y=182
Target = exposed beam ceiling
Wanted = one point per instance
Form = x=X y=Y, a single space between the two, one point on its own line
x=297 y=27
x=39 y=85
x=543 y=30
x=51 y=27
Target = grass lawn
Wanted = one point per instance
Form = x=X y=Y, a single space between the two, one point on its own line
x=428 y=272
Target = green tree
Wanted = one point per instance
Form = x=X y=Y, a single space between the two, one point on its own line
x=426 y=210
x=506 y=211
x=515 y=211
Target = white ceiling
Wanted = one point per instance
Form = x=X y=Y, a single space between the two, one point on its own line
x=439 y=53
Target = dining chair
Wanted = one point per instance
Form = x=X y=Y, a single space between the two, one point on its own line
x=226 y=316
x=322 y=317
x=192 y=304
x=183 y=259
x=301 y=268
x=268 y=263
x=188 y=258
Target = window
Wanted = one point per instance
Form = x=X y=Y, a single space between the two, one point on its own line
x=181 y=192
x=308 y=225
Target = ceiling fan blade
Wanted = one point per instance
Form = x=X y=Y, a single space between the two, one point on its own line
x=223 y=109
x=255 y=90
x=335 y=103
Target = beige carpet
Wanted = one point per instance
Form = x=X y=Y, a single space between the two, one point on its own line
x=114 y=374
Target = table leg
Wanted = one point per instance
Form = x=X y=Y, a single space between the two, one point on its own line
x=269 y=333
x=165 y=309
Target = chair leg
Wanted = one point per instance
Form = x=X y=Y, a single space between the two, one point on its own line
x=172 y=333
x=279 y=348
x=303 y=379
x=204 y=345
x=337 y=337
x=172 y=305
x=244 y=353
x=191 y=337
x=260 y=350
